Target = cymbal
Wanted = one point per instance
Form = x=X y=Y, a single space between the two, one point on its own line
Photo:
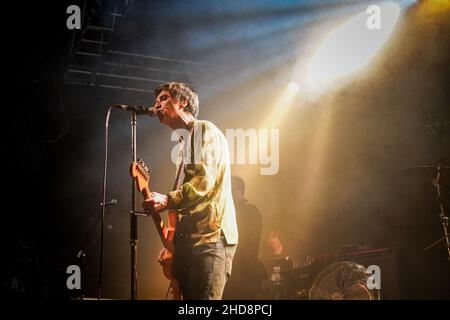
x=424 y=170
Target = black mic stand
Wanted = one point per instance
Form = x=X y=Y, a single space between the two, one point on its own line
x=133 y=217
x=81 y=254
x=103 y=204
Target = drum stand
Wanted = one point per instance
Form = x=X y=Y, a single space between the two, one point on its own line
x=444 y=218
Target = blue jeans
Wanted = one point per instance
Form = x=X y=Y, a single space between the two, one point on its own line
x=203 y=271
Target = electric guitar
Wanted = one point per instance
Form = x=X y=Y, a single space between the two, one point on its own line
x=141 y=174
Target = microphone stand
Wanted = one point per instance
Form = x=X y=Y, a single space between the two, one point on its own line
x=133 y=213
x=103 y=204
x=133 y=217
x=81 y=254
x=136 y=110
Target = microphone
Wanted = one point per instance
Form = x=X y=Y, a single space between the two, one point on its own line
x=113 y=202
x=150 y=111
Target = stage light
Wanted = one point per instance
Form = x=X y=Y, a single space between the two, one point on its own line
x=350 y=46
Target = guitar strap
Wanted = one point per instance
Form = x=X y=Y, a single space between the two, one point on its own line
x=180 y=174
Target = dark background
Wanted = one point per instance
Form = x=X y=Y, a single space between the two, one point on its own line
x=396 y=118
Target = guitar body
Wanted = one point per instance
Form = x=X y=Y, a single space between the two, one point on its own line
x=166 y=260
x=141 y=174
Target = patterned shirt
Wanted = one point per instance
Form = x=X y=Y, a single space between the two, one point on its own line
x=204 y=199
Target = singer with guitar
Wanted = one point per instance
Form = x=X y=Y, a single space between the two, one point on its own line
x=206 y=235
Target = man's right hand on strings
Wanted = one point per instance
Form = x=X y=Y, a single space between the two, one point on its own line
x=156 y=204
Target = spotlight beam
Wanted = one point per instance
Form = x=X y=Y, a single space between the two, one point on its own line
x=350 y=47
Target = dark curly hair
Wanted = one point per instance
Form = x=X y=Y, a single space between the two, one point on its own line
x=182 y=92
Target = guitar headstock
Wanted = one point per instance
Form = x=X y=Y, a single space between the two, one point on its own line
x=140 y=171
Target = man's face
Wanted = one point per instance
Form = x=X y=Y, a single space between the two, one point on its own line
x=168 y=109
x=274 y=242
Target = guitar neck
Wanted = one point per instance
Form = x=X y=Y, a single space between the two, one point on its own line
x=160 y=227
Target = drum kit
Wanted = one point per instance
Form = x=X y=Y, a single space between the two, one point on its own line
x=436 y=172
x=342 y=275
x=337 y=276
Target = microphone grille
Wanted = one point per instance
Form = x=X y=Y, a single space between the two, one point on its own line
x=152 y=112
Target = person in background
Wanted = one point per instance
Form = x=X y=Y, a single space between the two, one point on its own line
x=277 y=260
x=248 y=271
